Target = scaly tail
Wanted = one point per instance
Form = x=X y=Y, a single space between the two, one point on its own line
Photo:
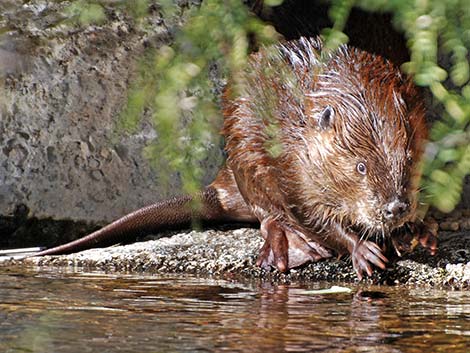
x=177 y=211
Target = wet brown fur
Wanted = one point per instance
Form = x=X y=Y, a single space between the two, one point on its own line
x=312 y=185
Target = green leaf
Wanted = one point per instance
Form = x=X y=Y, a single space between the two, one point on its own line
x=273 y=2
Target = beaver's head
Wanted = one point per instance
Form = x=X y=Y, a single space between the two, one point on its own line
x=362 y=141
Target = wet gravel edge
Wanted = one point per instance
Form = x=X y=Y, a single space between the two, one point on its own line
x=233 y=254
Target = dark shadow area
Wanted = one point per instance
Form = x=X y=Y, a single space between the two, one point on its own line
x=21 y=231
x=372 y=32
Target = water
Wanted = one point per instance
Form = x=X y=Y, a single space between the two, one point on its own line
x=58 y=311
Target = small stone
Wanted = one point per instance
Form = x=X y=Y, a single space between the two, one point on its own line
x=449 y=226
x=465 y=224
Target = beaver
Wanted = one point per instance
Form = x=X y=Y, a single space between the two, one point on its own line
x=323 y=150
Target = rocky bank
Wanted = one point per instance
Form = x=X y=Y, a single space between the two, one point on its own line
x=233 y=253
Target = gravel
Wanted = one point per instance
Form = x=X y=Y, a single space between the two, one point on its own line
x=233 y=253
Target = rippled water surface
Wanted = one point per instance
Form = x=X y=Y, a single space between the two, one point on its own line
x=57 y=311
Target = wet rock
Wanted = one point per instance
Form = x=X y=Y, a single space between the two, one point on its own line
x=233 y=253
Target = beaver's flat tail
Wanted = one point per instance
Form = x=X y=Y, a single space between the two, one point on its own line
x=178 y=211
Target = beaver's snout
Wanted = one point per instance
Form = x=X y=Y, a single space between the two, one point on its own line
x=395 y=210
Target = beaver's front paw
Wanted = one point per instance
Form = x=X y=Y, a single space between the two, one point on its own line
x=425 y=233
x=364 y=254
x=405 y=239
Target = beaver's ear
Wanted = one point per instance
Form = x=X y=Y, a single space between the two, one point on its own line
x=325 y=118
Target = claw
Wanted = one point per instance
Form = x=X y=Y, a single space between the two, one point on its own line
x=280 y=250
x=405 y=239
x=364 y=254
x=265 y=256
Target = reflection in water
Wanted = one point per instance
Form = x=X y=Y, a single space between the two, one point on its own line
x=50 y=311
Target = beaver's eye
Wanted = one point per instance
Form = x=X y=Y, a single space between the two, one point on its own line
x=361 y=168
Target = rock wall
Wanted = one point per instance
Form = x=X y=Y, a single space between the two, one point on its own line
x=64 y=87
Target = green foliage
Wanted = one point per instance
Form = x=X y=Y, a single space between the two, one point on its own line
x=339 y=13
x=175 y=84
x=85 y=12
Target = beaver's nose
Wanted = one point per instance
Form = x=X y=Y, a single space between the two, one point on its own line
x=395 y=210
